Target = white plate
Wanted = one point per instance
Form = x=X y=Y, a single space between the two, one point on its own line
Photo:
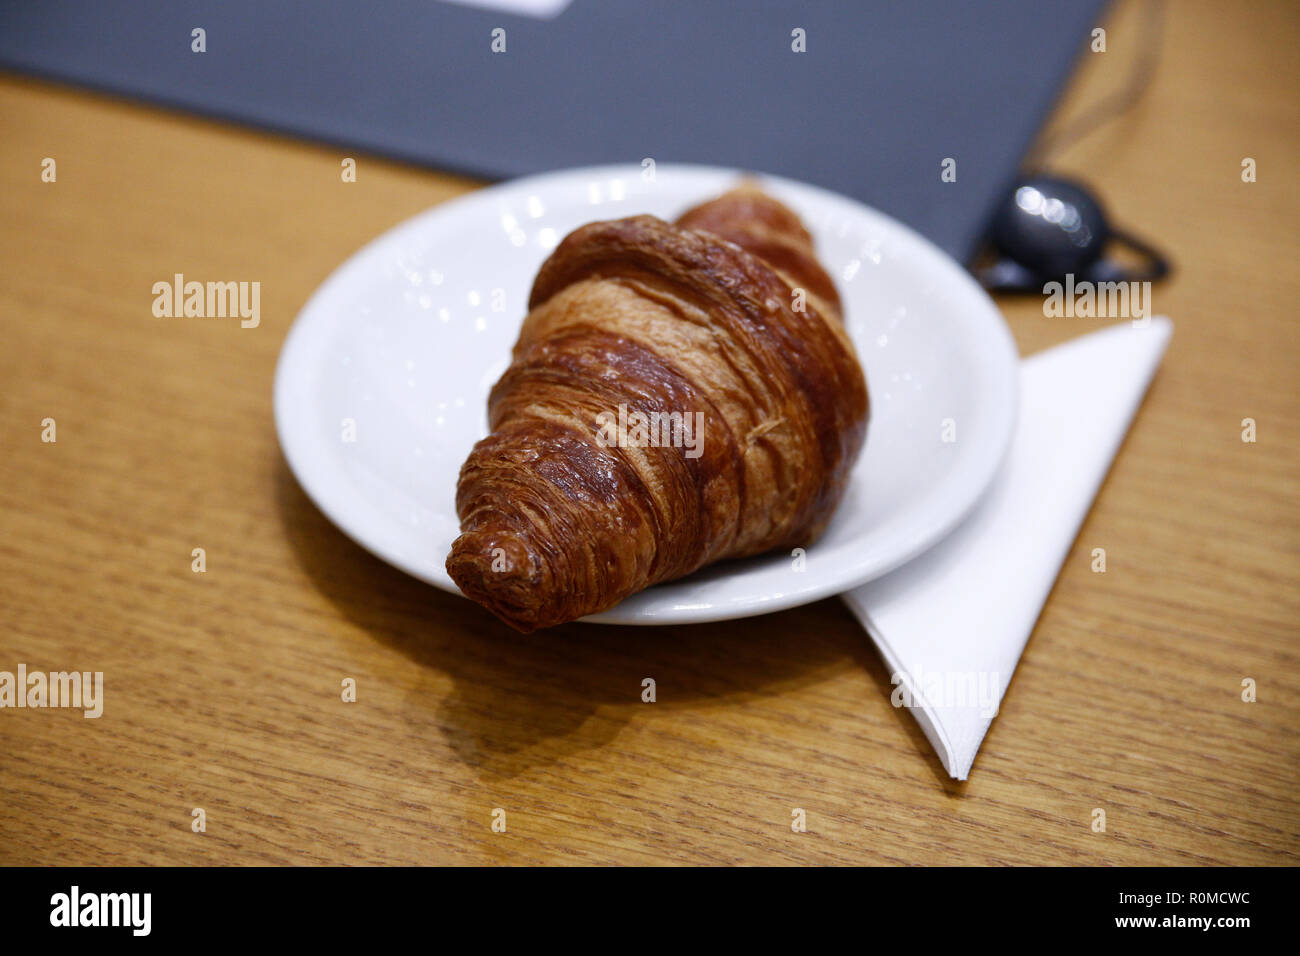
x=406 y=338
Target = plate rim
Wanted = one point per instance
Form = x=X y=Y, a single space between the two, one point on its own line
x=982 y=473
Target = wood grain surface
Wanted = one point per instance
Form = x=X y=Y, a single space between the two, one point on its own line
x=222 y=688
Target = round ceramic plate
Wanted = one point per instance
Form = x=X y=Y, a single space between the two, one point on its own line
x=381 y=388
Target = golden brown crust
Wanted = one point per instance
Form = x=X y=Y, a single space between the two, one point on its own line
x=759 y=224
x=653 y=317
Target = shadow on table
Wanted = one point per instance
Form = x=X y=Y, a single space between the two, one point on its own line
x=521 y=701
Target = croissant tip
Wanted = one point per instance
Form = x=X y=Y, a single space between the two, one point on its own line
x=501 y=575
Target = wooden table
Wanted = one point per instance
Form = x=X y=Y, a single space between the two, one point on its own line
x=222 y=688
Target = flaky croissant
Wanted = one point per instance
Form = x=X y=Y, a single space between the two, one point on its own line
x=681 y=393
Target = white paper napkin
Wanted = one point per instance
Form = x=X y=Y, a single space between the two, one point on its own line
x=952 y=624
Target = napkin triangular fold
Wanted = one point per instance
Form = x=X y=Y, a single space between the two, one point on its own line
x=951 y=625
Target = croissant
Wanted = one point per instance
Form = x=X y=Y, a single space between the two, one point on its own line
x=680 y=394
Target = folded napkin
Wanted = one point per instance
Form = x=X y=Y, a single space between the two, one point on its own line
x=952 y=624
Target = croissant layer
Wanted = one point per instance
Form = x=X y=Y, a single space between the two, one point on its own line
x=679 y=394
